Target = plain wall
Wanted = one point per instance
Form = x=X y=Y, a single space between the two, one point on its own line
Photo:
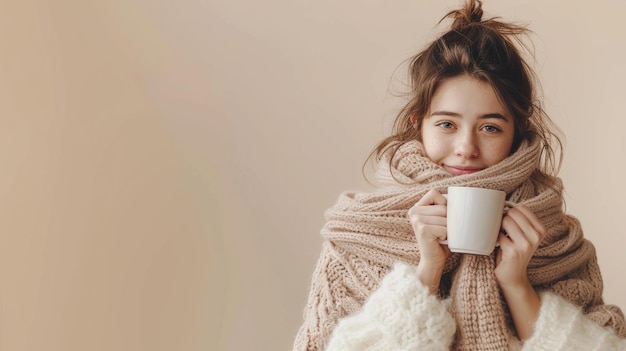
x=166 y=164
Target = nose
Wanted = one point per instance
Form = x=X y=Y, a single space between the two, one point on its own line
x=467 y=146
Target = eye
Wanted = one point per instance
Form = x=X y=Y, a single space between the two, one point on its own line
x=491 y=129
x=445 y=125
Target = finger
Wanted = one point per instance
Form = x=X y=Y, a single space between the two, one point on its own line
x=432 y=229
x=532 y=220
x=429 y=220
x=511 y=230
x=527 y=223
x=435 y=232
x=429 y=210
x=503 y=241
x=432 y=197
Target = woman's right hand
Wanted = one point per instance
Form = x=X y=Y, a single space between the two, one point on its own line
x=428 y=218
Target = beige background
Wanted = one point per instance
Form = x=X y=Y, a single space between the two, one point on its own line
x=166 y=164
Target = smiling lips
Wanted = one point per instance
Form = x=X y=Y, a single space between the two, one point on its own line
x=459 y=170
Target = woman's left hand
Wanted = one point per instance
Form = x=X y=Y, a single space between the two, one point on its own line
x=523 y=232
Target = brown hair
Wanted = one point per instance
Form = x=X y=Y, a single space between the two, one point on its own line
x=485 y=50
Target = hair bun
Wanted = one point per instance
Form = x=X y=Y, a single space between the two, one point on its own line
x=472 y=12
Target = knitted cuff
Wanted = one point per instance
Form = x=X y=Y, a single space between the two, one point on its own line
x=562 y=326
x=401 y=314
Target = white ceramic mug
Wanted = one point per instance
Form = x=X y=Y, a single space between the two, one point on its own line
x=474 y=219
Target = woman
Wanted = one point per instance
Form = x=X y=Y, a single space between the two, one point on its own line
x=474 y=120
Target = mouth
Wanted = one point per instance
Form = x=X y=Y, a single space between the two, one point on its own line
x=460 y=170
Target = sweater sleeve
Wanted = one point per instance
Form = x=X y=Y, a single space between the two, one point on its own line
x=562 y=326
x=400 y=315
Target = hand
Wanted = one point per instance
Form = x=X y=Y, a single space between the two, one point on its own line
x=428 y=218
x=523 y=232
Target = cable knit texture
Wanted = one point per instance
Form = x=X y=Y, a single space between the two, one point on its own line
x=403 y=315
x=400 y=315
x=367 y=232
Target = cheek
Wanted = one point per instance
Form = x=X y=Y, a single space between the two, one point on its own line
x=435 y=149
x=498 y=152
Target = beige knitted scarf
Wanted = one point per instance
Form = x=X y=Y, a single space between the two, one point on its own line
x=366 y=233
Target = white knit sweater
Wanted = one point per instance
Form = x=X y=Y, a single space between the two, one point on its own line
x=403 y=315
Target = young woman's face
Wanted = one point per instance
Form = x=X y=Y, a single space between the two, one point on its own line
x=466 y=128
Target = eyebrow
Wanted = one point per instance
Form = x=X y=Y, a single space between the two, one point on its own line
x=486 y=115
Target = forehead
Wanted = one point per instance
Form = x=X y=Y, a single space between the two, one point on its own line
x=464 y=93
